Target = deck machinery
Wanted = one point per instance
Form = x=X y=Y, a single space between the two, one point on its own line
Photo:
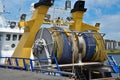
x=78 y=49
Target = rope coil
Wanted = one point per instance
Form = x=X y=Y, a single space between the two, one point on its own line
x=67 y=46
x=90 y=46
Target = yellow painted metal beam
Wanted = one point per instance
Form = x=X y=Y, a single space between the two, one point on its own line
x=23 y=50
x=89 y=27
x=77 y=18
x=78 y=25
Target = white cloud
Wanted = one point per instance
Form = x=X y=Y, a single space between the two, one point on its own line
x=101 y=3
x=97 y=6
x=15 y=2
x=110 y=24
x=16 y=8
x=11 y=5
x=113 y=36
x=98 y=12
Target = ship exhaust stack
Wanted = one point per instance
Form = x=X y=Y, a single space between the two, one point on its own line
x=79 y=6
x=23 y=17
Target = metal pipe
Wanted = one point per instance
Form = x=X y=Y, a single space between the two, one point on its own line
x=53 y=71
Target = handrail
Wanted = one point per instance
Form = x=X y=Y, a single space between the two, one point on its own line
x=13 y=63
x=113 y=64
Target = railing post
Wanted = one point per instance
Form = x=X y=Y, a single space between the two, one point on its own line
x=31 y=65
x=25 y=66
x=56 y=62
x=16 y=60
x=9 y=61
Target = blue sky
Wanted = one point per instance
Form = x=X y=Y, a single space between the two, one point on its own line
x=106 y=12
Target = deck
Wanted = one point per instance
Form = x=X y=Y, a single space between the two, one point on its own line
x=7 y=74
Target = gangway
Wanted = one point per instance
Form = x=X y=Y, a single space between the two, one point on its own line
x=113 y=64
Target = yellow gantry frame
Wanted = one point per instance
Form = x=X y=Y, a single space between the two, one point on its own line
x=23 y=49
x=78 y=25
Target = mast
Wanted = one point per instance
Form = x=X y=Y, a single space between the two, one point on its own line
x=1 y=7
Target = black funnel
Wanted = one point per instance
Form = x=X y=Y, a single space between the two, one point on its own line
x=23 y=17
x=79 y=6
x=44 y=2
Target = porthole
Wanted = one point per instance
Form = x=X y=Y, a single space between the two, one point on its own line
x=13 y=45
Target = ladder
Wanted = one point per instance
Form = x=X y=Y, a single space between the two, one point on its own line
x=82 y=76
x=113 y=64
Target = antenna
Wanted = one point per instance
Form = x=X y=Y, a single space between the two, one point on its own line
x=21 y=4
x=2 y=8
x=68 y=4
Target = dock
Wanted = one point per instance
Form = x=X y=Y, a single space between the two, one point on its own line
x=7 y=74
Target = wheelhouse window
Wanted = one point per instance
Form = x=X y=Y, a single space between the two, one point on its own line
x=1 y=37
x=20 y=37
x=8 y=36
x=14 y=37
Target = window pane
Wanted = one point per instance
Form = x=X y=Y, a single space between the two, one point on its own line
x=0 y=37
x=14 y=37
x=8 y=37
x=20 y=37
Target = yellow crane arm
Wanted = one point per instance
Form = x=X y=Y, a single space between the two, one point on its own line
x=23 y=49
x=89 y=27
x=77 y=15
